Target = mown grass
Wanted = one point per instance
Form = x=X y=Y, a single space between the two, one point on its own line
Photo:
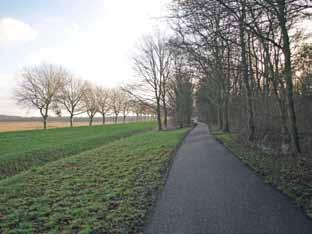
x=290 y=175
x=21 y=150
x=105 y=190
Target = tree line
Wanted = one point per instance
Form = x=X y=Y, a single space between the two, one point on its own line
x=253 y=66
x=51 y=88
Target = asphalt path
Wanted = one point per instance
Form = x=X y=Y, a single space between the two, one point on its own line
x=210 y=191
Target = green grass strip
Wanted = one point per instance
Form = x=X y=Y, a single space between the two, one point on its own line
x=105 y=190
x=20 y=151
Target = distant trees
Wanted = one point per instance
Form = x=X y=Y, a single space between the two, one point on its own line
x=90 y=102
x=50 y=87
x=39 y=86
x=104 y=106
x=126 y=105
x=116 y=102
x=140 y=108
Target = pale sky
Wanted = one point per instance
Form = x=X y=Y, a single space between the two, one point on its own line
x=94 y=39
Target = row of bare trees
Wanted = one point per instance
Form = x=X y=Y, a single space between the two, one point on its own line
x=48 y=87
x=250 y=61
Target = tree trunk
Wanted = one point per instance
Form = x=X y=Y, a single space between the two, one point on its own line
x=45 y=120
x=283 y=113
x=289 y=86
x=71 y=121
x=251 y=125
x=158 y=114
x=124 y=119
x=165 y=113
x=116 y=119
x=227 y=89
x=45 y=116
x=226 y=127
x=103 y=119
x=220 y=117
x=91 y=121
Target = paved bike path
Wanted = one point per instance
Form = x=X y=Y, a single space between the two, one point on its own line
x=209 y=191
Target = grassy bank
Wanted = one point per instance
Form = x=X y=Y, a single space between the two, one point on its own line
x=22 y=150
x=105 y=190
x=290 y=175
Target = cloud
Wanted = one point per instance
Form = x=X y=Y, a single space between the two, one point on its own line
x=14 y=32
x=100 y=48
x=53 y=20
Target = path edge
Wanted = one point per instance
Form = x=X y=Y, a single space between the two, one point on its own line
x=165 y=174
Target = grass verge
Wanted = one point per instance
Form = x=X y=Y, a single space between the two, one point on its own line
x=290 y=175
x=21 y=150
x=105 y=190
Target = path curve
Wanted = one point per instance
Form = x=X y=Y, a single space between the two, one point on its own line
x=209 y=191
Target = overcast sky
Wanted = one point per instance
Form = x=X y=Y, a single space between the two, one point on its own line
x=92 y=38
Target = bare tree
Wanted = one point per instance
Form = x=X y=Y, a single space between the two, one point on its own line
x=136 y=108
x=116 y=102
x=126 y=105
x=39 y=86
x=71 y=96
x=90 y=102
x=103 y=95
x=152 y=65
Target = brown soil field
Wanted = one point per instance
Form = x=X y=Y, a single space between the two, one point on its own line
x=9 y=126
